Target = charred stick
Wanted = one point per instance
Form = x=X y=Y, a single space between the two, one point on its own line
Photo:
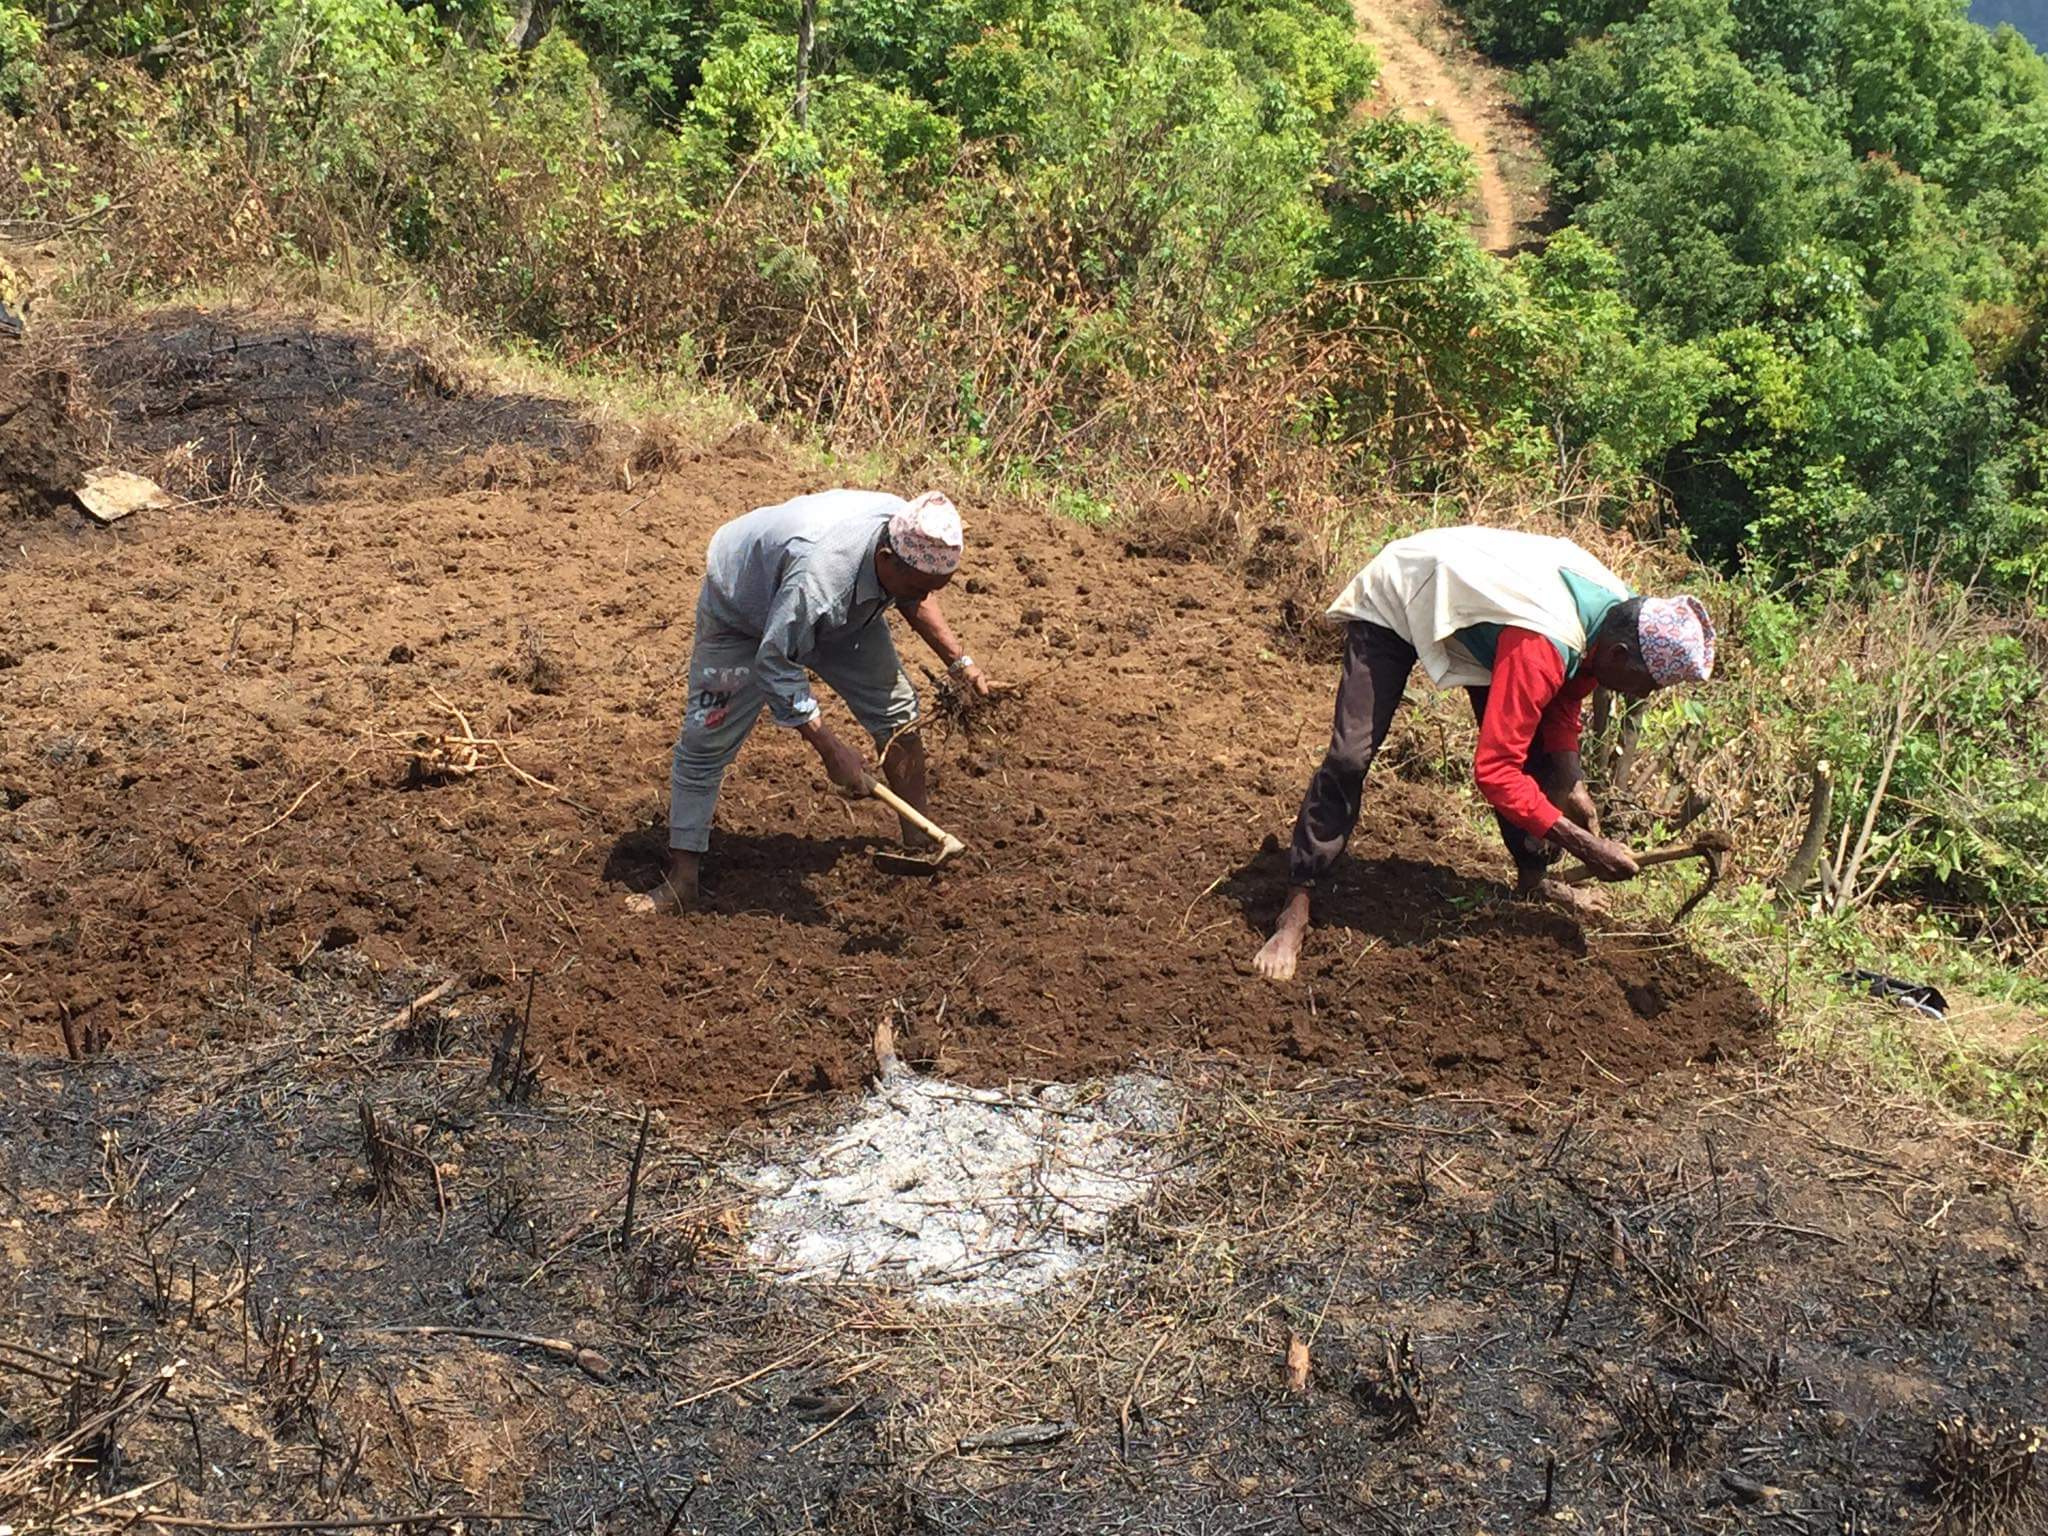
x=1571 y=1292
x=633 y=1182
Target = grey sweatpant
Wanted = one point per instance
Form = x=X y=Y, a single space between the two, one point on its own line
x=725 y=701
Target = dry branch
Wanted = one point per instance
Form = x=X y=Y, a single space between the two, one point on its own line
x=568 y=1351
x=364 y=1523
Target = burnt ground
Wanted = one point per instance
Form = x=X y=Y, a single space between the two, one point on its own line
x=1553 y=1156
x=256 y=410
x=235 y=407
x=1632 y=1313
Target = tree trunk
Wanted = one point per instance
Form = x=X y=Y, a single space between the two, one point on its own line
x=531 y=20
x=806 y=30
x=1800 y=870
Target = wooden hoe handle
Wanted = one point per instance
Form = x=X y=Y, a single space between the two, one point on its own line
x=914 y=816
x=1580 y=874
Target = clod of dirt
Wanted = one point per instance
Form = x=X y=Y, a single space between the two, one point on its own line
x=1646 y=998
x=42 y=445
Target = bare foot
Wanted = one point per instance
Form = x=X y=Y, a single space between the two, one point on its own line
x=1572 y=898
x=677 y=891
x=1276 y=959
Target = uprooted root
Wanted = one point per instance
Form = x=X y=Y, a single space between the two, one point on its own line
x=960 y=713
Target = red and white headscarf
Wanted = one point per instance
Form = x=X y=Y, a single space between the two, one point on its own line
x=926 y=535
x=1677 y=640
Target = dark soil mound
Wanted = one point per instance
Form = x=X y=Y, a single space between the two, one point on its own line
x=253 y=401
x=42 y=441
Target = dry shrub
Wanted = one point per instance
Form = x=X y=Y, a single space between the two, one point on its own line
x=1396 y=1392
x=1982 y=1474
x=535 y=665
x=876 y=327
x=875 y=324
x=660 y=443
x=293 y=1375
x=1660 y=1425
x=74 y=1450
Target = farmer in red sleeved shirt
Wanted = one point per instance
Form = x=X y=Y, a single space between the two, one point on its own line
x=1529 y=626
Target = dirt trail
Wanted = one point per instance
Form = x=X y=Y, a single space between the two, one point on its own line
x=204 y=762
x=1415 y=79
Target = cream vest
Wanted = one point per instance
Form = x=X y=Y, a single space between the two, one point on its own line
x=1430 y=586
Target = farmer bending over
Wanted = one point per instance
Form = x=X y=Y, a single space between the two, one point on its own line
x=1529 y=626
x=801 y=588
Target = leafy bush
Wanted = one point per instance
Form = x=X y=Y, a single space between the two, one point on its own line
x=1932 y=719
x=1542 y=29
x=21 y=34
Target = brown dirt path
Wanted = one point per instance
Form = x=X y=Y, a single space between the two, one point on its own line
x=1415 y=79
x=207 y=715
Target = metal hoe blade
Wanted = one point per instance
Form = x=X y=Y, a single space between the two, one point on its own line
x=898 y=861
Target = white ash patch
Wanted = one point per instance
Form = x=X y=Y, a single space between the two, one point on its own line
x=963 y=1196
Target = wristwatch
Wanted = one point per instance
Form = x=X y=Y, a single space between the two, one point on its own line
x=960 y=664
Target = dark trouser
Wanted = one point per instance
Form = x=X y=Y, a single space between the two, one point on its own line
x=1376 y=666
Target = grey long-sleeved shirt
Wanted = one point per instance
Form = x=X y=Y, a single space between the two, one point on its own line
x=796 y=577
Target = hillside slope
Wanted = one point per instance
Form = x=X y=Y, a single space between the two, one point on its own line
x=216 y=757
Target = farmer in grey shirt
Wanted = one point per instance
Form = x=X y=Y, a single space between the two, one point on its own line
x=800 y=588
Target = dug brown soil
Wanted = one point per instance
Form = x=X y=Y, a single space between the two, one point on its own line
x=43 y=445
x=212 y=717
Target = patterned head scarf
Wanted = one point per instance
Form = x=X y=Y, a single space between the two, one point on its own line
x=1677 y=640
x=926 y=535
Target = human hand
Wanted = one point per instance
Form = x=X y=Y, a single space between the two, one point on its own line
x=1610 y=860
x=1606 y=858
x=843 y=766
x=974 y=682
x=1578 y=804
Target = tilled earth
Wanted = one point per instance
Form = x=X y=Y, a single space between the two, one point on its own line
x=211 y=716
x=1567 y=1249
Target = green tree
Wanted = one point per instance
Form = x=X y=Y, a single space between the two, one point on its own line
x=21 y=35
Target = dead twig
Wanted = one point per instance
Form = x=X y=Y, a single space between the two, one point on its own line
x=304 y=795
x=404 y=1017
x=633 y=1181
x=777 y=1364
x=568 y=1351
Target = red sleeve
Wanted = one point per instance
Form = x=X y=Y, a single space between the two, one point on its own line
x=1559 y=729
x=1528 y=676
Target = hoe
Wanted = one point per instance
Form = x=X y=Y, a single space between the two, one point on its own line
x=1711 y=847
x=903 y=862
